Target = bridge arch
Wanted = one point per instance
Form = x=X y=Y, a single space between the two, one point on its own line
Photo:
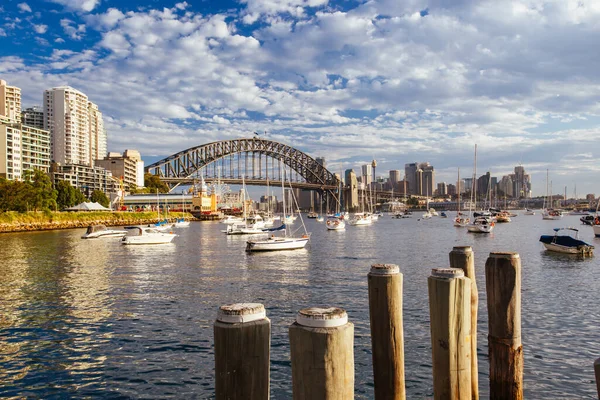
x=183 y=166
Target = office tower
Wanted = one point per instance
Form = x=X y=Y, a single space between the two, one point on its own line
x=10 y=102
x=452 y=189
x=75 y=125
x=442 y=189
x=367 y=177
x=427 y=179
x=410 y=175
x=394 y=178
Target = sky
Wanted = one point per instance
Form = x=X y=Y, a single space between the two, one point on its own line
x=348 y=80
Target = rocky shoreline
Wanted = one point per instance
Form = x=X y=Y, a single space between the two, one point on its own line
x=59 y=223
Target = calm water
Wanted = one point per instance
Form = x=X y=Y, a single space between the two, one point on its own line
x=84 y=318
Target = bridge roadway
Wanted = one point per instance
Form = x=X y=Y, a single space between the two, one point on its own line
x=252 y=182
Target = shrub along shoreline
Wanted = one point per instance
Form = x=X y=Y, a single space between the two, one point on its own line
x=12 y=221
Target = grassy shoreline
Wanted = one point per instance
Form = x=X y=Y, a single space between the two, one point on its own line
x=38 y=221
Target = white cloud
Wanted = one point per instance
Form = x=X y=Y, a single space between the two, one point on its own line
x=41 y=28
x=2 y=32
x=78 y=5
x=513 y=76
x=73 y=30
x=24 y=7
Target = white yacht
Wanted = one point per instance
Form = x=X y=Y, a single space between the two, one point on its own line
x=101 y=231
x=136 y=235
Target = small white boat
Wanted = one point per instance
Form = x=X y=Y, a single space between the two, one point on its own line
x=426 y=215
x=433 y=212
x=101 y=231
x=181 y=223
x=551 y=214
x=481 y=224
x=136 y=235
x=320 y=218
x=566 y=240
x=230 y=219
x=361 y=219
x=579 y=212
x=461 y=221
x=529 y=211
x=277 y=243
x=335 y=224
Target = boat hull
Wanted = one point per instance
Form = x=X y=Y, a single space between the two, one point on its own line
x=335 y=225
x=106 y=234
x=568 y=250
x=149 y=239
x=273 y=244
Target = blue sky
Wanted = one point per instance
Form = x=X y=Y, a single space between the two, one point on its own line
x=349 y=80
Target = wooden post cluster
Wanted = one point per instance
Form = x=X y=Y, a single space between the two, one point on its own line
x=503 y=287
x=322 y=352
x=462 y=257
x=450 y=314
x=387 y=337
x=242 y=344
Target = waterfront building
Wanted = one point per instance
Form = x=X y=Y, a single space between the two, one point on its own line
x=84 y=177
x=76 y=126
x=33 y=116
x=10 y=102
x=127 y=166
x=22 y=148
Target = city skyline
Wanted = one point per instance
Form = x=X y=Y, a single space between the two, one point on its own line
x=351 y=81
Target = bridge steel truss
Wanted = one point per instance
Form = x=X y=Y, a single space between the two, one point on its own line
x=185 y=166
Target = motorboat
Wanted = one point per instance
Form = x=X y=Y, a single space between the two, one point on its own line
x=461 y=221
x=312 y=215
x=426 y=215
x=433 y=212
x=481 y=224
x=587 y=220
x=566 y=240
x=335 y=224
x=251 y=226
x=529 y=211
x=443 y=214
x=551 y=214
x=230 y=219
x=101 y=231
x=137 y=235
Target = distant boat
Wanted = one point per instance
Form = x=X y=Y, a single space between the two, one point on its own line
x=312 y=215
x=361 y=219
x=482 y=221
x=529 y=211
x=137 y=236
x=443 y=214
x=335 y=224
x=101 y=231
x=181 y=223
x=587 y=220
x=566 y=240
x=548 y=212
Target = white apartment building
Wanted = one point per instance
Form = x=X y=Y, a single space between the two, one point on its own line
x=33 y=116
x=10 y=102
x=76 y=126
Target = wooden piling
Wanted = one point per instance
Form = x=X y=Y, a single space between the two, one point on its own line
x=242 y=341
x=462 y=257
x=597 y=372
x=322 y=352
x=503 y=287
x=387 y=338
x=450 y=315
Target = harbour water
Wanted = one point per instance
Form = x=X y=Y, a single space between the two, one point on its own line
x=93 y=318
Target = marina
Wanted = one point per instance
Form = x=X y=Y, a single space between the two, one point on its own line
x=95 y=318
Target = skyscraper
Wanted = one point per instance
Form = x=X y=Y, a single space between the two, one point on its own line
x=97 y=133
x=366 y=174
x=410 y=175
x=394 y=178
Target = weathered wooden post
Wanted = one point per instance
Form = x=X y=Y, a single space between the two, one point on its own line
x=322 y=352
x=450 y=314
x=597 y=372
x=462 y=257
x=242 y=340
x=387 y=338
x=503 y=287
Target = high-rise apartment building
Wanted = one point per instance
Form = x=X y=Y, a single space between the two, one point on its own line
x=394 y=178
x=442 y=189
x=10 y=102
x=33 y=116
x=97 y=133
x=427 y=179
x=75 y=126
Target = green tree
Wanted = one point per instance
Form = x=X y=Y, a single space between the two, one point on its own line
x=153 y=182
x=67 y=195
x=100 y=197
x=40 y=193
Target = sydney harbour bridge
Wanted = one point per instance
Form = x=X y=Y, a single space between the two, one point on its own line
x=253 y=161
